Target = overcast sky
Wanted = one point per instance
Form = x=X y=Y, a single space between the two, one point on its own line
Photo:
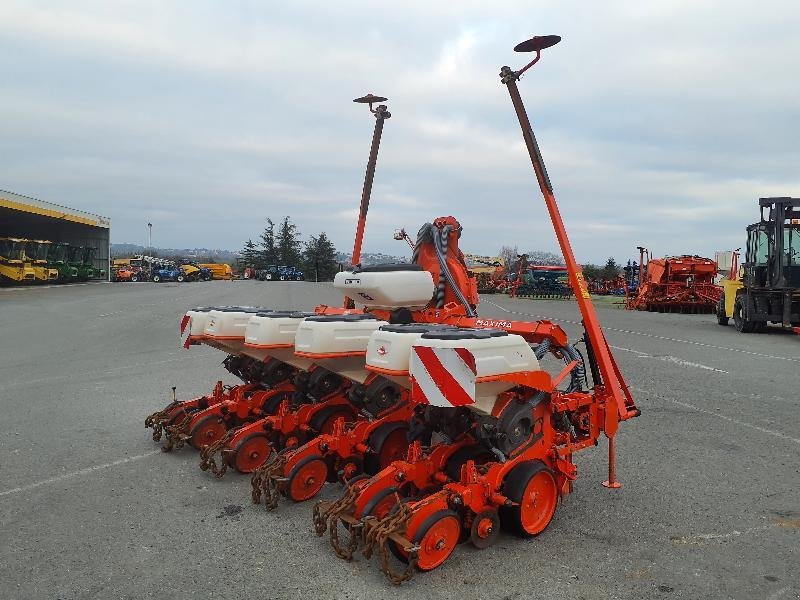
x=661 y=122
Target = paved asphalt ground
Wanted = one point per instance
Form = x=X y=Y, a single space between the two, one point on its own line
x=89 y=508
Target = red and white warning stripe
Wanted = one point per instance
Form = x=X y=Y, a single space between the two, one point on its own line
x=186 y=329
x=442 y=376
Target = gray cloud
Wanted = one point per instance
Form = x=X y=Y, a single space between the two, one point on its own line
x=661 y=122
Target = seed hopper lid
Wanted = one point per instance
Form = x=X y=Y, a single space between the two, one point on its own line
x=285 y=314
x=414 y=328
x=341 y=318
x=463 y=334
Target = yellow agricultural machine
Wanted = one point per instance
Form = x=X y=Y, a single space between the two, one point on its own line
x=38 y=252
x=218 y=271
x=14 y=263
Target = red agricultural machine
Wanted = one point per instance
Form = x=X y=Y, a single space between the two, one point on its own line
x=675 y=284
x=441 y=425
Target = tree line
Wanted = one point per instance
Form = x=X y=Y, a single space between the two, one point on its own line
x=281 y=244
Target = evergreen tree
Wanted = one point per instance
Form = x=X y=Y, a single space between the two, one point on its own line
x=287 y=243
x=268 y=255
x=319 y=257
x=611 y=270
x=249 y=255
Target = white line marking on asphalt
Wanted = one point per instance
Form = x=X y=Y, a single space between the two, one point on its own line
x=650 y=335
x=777 y=434
x=86 y=471
x=710 y=537
x=101 y=371
x=772 y=432
x=670 y=358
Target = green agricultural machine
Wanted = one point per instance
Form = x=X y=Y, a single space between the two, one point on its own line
x=81 y=258
x=57 y=259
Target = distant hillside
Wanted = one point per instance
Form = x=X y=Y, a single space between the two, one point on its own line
x=372 y=258
x=199 y=254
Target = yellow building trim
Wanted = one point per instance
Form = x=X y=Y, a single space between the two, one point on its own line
x=46 y=212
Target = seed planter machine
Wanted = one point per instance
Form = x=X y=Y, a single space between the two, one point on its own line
x=441 y=425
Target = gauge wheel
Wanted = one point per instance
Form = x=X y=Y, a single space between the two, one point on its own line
x=306 y=479
x=533 y=489
x=252 y=452
x=206 y=431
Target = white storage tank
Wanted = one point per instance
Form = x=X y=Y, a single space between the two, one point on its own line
x=389 y=350
x=271 y=334
x=387 y=286
x=198 y=318
x=225 y=327
x=337 y=342
x=496 y=353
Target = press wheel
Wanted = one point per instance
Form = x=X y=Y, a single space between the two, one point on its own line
x=206 y=431
x=306 y=478
x=436 y=537
x=252 y=452
x=532 y=486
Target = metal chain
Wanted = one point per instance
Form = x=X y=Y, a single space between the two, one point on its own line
x=177 y=435
x=264 y=482
x=330 y=517
x=159 y=418
x=376 y=536
x=207 y=460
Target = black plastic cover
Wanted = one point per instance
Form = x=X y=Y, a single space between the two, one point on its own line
x=463 y=334
x=340 y=318
x=414 y=328
x=284 y=314
x=388 y=267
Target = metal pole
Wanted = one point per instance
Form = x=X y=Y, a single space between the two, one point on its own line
x=381 y=114
x=594 y=332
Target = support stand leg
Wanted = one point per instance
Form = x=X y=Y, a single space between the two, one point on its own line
x=611 y=482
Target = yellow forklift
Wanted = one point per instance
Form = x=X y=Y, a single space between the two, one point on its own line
x=769 y=288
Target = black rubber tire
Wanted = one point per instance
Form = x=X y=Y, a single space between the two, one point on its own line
x=235 y=453
x=460 y=457
x=742 y=325
x=317 y=422
x=722 y=317
x=282 y=277
x=376 y=439
x=290 y=477
x=181 y=278
x=430 y=522
x=157 y=278
x=370 y=506
x=513 y=488
x=268 y=276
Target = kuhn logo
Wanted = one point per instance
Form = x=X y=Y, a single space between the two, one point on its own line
x=366 y=296
x=382 y=350
x=352 y=281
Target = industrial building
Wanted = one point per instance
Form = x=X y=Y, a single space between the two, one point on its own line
x=32 y=219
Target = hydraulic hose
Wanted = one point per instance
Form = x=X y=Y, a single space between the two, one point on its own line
x=439 y=240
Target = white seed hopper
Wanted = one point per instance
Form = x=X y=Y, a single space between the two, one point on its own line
x=389 y=350
x=272 y=334
x=387 y=286
x=496 y=353
x=225 y=327
x=337 y=342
